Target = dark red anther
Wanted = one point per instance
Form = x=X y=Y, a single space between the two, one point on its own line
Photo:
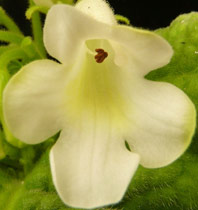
x=101 y=55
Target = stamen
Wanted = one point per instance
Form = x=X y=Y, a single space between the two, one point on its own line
x=101 y=55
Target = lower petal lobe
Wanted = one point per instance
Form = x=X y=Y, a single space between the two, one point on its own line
x=91 y=166
x=162 y=123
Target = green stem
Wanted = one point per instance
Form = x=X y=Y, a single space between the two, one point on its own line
x=30 y=48
x=122 y=19
x=12 y=37
x=12 y=54
x=38 y=32
x=71 y=2
x=35 y=8
x=8 y=22
x=5 y=48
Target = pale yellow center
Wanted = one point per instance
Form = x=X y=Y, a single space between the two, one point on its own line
x=96 y=90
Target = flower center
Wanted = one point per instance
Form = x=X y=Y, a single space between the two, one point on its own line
x=101 y=55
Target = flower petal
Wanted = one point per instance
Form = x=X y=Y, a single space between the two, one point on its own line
x=66 y=29
x=31 y=101
x=163 y=123
x=145 y=50
x=91 y=166
x=45 y=3
x=139 y=50
x=98 y=9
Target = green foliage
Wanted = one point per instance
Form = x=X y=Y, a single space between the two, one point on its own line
x=25 y=178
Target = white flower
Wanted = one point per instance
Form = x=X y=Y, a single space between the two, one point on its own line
x=98 y=98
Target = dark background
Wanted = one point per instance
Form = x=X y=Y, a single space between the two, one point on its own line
x=146 y=14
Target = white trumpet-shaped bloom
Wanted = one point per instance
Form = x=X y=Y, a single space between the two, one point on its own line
x=97 y=96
